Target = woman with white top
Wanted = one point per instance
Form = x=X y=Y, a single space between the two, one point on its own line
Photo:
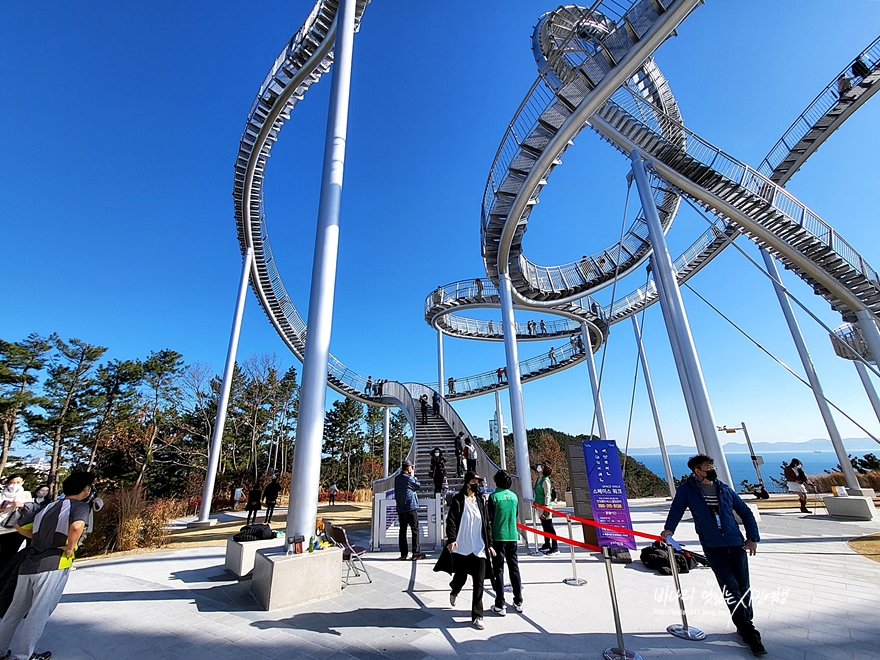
x=469 y=539
x=12 y=497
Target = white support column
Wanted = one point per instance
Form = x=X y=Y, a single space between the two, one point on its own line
x=440 y=380
x=807 y=362
x=670 y=478
x=869 y=332
x=865 y=377
x=223 y=403
x=598 y=411
x=664 y=273
x=499 y=430
x=306 y=471
x=386 y=441
x=514 y=388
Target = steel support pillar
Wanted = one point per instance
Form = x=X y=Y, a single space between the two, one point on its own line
x=306 y=470
x=386 y=440
x=807 y=362
x=869 y=332
x=499 y=426
x=865 y=377
x=598 y=411
x=704 y=420
x=649 y=385
x=223 y=403
x=514 y=389
x=441 y=383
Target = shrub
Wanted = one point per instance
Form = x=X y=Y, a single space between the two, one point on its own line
x=824 y=482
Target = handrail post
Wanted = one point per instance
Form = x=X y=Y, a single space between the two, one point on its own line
x=683 y=630
x=621 y=652
x=574 y=580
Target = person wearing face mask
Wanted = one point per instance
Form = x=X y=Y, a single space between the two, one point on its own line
x=12 y=499
x=712 y=504
x=469 y=539
x=797 y=481
x=438 y=469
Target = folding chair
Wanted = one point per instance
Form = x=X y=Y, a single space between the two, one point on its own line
x=351 y=555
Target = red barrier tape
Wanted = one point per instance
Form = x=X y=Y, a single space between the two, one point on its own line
x=593 y=523
x=577 y=544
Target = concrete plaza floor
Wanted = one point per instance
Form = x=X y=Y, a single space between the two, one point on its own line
x=815 y=599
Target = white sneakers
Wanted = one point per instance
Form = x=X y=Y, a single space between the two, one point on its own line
x=478 y=623
x=500 y=611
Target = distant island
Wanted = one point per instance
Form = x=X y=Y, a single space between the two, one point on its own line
x=820 y=444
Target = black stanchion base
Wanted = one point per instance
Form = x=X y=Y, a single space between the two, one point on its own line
x=615 y=654
x=691 y=633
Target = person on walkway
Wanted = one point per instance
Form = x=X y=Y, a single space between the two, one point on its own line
x=435 y=403
x=54 y=532
x=405 y=488
x=450 y=385
x=574 y=344
x=423 y=402
x=551 y=354
x=712 y=504
x=860 y=69
x=797 y=482
x=543 y=489
x=580 y=344
x=500 y=373
x=459 y=452
x=843 y=85
x=543 y=327
x=368 y=388
x=331 y=494
x=270 y=496
x=255 y=497
x=479 y=284
x=438 y=469
x=470 y=454
x=491 y=328
x=469 y=539
x=13 y=497
x=503 y=505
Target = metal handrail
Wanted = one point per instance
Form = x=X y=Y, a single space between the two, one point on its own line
x=827 y=99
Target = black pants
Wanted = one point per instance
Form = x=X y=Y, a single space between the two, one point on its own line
x=505 y=551
x=332 y=498
x=472 y=464
x=549 y=544
x=458 y=464
x=424 y=414
x=409 y=520
x=437 y=410
x=438 y=484
x=731 y=568
x=9 y=545
x=252 y=516
x=270 y=509
x=465 y=565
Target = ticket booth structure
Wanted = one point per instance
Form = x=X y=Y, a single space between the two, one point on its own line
x=386 y=527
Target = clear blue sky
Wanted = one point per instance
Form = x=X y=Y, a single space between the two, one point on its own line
x=120 y=124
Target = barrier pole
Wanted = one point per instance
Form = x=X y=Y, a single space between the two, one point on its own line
x=534 y=523
x=621 y=652
x=574 y=580
x=681 y=630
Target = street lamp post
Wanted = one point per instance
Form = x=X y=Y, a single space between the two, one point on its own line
x=762 y=493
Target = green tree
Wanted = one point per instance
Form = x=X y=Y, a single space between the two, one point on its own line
x=69 y=382
x=116 y=400
x=20 y=362
x=160 y=372
x=343 y=441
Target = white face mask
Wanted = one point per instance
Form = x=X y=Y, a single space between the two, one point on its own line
x=13 y=488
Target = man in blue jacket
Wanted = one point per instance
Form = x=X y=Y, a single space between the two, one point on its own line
x=712 y=504
x=405 y=487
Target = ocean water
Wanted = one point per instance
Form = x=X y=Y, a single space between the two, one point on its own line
x=815 y=462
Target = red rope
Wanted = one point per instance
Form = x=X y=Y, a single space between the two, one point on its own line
x=593 y=523
x=577 y=544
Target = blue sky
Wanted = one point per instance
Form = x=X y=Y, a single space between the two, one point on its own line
x=119 y=123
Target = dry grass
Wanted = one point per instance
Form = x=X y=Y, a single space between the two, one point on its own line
x=867 y=546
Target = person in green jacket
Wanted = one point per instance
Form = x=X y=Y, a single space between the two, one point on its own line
x=503 y=505
x=543 y=489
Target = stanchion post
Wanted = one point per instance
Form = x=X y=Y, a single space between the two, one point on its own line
x=621 y=652
x=574 y=580
x=682 y=630
x=534 y=550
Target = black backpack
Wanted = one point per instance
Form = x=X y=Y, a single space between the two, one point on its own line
x=259 y=532
x=656 y=557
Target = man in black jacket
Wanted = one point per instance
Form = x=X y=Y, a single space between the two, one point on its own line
x=270 y=495
x=469 y=539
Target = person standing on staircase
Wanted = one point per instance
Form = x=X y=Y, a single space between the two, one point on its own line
x=405 y=488
x=438 y=469
x=459 y=452
x=470 y=454
x=423 y=402
x=435 y=402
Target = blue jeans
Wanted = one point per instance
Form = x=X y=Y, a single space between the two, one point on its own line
x=731 y=568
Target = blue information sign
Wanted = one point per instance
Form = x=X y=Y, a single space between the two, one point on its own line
x=607 y=493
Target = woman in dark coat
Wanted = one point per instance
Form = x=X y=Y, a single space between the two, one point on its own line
x=438 y=469
x=469 y=539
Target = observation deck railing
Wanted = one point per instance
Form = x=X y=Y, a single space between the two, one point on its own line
x=827 y=99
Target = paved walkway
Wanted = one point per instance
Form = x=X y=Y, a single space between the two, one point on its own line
x=815 y=599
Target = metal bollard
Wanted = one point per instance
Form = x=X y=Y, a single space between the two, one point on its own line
x=682 y=630
x=620 y=652
x=574 y=580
